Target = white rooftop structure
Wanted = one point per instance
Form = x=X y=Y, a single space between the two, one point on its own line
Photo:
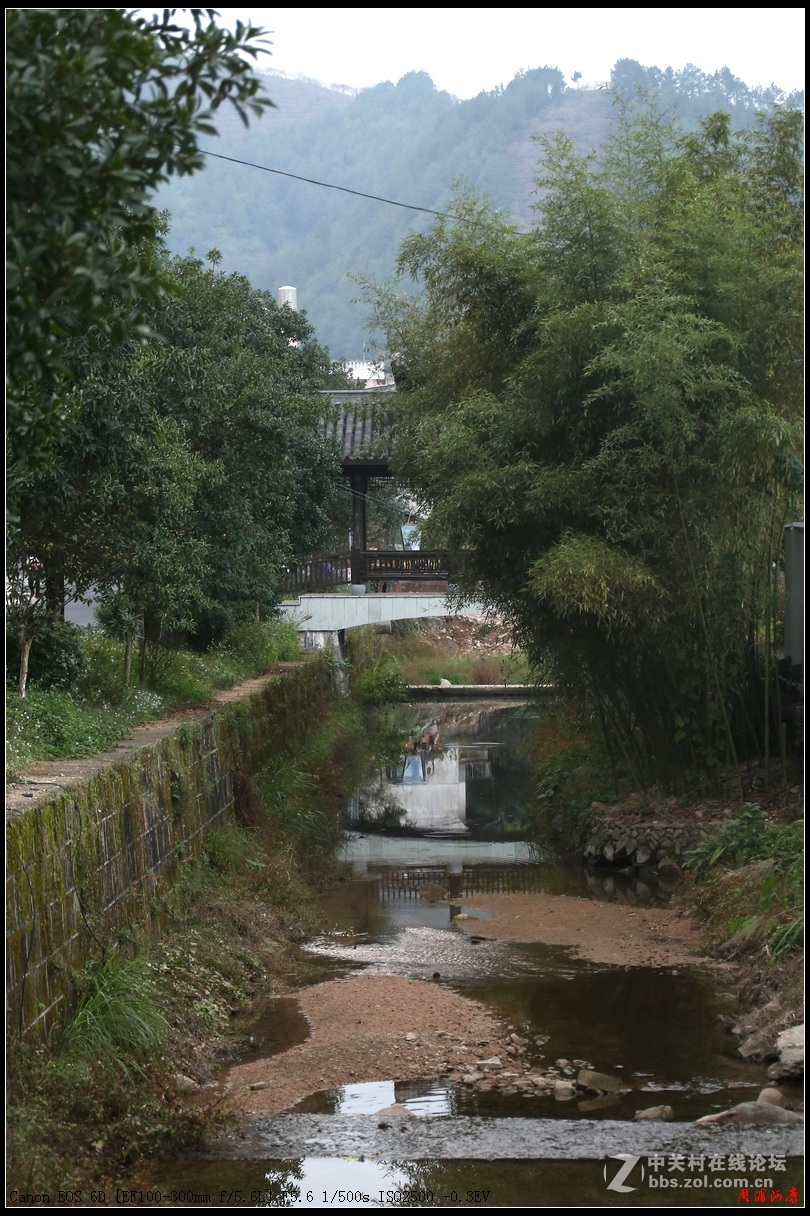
x=288 y=295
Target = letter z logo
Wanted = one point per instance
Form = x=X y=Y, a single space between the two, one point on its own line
x=617 y=1183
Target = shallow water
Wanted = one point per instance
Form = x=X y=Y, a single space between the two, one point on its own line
x=659 y=1029
x=662 y=1031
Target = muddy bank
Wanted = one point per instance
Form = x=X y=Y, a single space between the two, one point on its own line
x=367 y=1028
x=597 y=931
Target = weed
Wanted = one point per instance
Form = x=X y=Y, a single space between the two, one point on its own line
x=231 y=848
x=748 y=837
x=379 y=683
x=771 y=916
x=260 y=644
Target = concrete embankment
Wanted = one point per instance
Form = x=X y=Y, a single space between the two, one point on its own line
x=92 y=861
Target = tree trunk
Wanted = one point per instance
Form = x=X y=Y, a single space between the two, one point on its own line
x=143 y=649
x=25 y=650
x=127 y=657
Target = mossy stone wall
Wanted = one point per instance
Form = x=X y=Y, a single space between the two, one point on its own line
x=87 y=867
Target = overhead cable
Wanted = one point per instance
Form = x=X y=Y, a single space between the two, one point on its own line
x=329 y=185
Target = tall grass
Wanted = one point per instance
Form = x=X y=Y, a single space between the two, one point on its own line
x=117 y=1024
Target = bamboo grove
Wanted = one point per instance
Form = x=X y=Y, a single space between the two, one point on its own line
x=603 y=416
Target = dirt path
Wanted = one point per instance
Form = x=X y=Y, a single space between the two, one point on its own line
x=41 y=780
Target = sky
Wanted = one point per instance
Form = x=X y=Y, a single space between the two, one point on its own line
x=469 y=50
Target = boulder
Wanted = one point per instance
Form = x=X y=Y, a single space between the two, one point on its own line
x=790 y=1048
x=602 y=1082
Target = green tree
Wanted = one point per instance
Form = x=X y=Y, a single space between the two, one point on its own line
x=605 y=418
x=103 y=105
x=193 y=466
x=239 y=375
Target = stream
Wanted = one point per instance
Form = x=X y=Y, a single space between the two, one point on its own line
x=453 y=809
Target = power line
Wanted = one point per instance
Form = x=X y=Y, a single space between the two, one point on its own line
x=329 y=185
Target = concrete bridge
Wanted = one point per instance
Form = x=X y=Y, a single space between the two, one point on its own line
x=320 y=620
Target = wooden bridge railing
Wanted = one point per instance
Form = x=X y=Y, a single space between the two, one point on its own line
x=328 y=570
x=375 y=565
x=319 y=573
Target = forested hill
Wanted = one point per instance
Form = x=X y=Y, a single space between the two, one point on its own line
x=409 y=142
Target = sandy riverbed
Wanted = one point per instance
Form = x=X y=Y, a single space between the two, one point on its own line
x=366 y=1028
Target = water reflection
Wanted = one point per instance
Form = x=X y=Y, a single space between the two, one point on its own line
x=448 y=781
x=424 y=1099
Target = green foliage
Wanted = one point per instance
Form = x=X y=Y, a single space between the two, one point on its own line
x=776 y=917
x=260 y=644
x=52 y=726
x=747 y=838
x=604 y=420
x=58 y=659
x=193 y=468
x=232 y=848
x=103 y=677
x=378 y=684
x=127 y=99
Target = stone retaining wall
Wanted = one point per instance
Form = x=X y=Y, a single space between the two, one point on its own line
x=623 y=843
x=89 y=867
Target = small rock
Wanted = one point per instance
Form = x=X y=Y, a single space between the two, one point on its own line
x=397 y=1109
x=658 y=1114
x=187 y=1084
x=493 y=1064
x=260 y=1085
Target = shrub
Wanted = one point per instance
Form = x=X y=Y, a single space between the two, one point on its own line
x=749 y=837
x=56 y=659
x=180 y=677
x=378 y=684
x=103 y=676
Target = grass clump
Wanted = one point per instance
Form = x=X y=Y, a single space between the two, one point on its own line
x=750 y=875
x=95 y=1100
x=116 y=1024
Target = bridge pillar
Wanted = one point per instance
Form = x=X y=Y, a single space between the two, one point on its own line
x=358 y=479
